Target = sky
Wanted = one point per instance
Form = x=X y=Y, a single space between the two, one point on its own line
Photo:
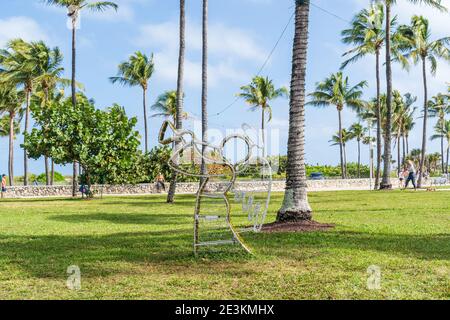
x=242 y=36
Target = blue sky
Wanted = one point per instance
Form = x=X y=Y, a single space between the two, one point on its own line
x=242 y=34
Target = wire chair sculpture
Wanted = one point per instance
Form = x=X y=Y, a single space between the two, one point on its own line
x=187 y=145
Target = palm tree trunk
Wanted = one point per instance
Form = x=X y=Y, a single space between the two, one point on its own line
x=442 y=145
x=425 y=119
x=407 y=144
x=341 y=146
x=448 y=154
x=144 y=104
x=386 y=181
x=74 y=101
x=12 y=115
x=345 y=160
x=263 y=127
x=359 y=159
x=404 y=148
x=399 y=159
x=295 y=204
x=180 y=90
x=27 y=120
x=378 y=115
x=204 y=87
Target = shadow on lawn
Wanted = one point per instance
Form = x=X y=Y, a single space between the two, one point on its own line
x=428 y=247
x=126 y=218
x=171 y=250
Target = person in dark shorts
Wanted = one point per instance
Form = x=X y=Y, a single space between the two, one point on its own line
x=160 y=182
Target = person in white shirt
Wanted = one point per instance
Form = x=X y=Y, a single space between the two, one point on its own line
x=411 y=175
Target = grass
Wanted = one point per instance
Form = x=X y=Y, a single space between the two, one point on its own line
x=141 y=248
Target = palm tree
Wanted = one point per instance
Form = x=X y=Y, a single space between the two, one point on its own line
x=367 y=33
x=74 y=8
x=180 y=91
x=137 y=71
x=419 y=47
x=386 y=181
x=341 y=138
x=295 y=203
x=337 y=91
x=358 y=132
x=166 y=105
x=11 y=102
x=19 y=68
x=258 y=95
x=439 y=107
x=443 y=132
x=49 y=69
x=204 y=85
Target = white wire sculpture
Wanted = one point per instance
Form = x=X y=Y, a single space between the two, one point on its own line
x=186 y=144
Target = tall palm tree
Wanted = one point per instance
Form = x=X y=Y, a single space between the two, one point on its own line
x=74 y=8
x=439 y=107
x=386 y=181
x=50 y=71
x=443 y=132
x=295 y=203
x=258 y=95
x=19 y=67
x=11 y=102
x=204 y=85
x=341 y=138
x=419 y=47
x=180 y=91
x=358 y=132
x=367 y=33
x=337 y=91
x=137 y=71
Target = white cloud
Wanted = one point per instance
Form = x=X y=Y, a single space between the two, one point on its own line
x=20 y=27
x=229 y=46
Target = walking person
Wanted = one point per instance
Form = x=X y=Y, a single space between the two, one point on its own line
x=411 y=175
x=3 y=185
x=160 y=182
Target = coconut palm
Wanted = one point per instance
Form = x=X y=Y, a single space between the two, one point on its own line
x=341 y=138
x=180 y=90
x=419 y=47
x=295 y=204
x=166 y=106
x=19 y=62
x=386 y=181
x=367 y=33
x=358 y=132
x=443 y=131
x=204 y=85
x=74 y=8
x=11 y=102
x=50 y=70
x=137 y=71
x=336 y=91
x=439 y=107
x=258 y=95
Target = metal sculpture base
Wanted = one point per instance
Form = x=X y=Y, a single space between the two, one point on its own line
x=185 y=148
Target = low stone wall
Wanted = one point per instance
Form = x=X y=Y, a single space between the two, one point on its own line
x=185 y=188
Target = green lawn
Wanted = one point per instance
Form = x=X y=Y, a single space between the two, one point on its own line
x=141 y=248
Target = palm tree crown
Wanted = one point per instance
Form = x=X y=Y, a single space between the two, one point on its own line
x=137 y=71
x=337 y=91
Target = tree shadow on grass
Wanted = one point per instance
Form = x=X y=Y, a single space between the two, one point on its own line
x=125 y=218
x=427 y=247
